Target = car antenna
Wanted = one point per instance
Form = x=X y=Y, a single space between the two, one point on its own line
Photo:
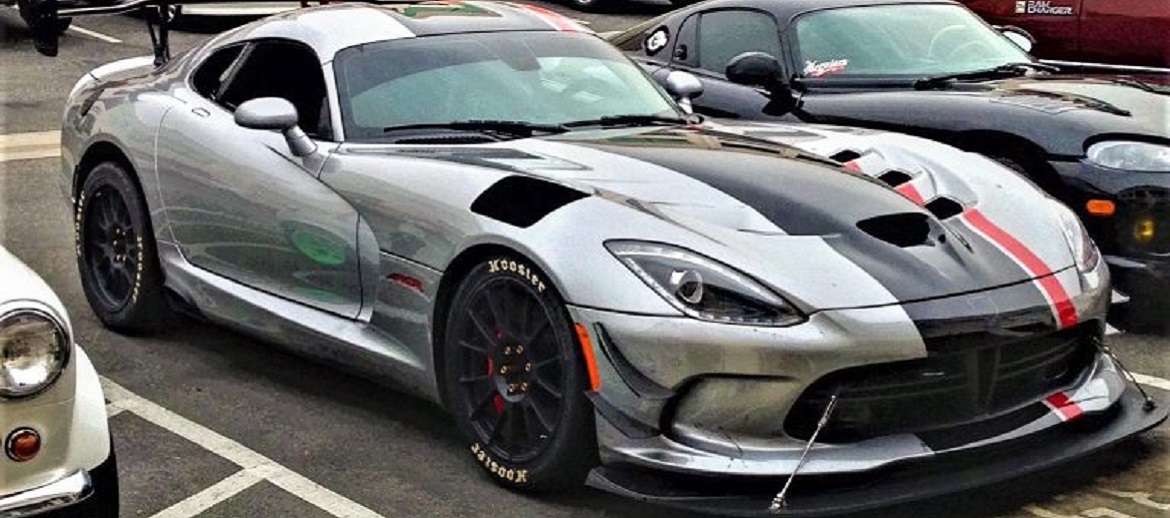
x=781 y=499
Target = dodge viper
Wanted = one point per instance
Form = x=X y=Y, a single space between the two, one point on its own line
x=493 y=208
x=933 y=69
x=58 y=457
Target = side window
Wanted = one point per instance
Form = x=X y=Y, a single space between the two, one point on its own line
x=287 y=70
x=726 y=34
x=214 y=71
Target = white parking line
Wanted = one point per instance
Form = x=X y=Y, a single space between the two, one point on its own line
x=1152 y=381
x=29 y=146
x=94 y=34
x=254 y=464
x=206 y=499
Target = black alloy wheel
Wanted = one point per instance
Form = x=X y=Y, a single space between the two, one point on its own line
x=116 y=255
x=515 y=378
x=111 y=247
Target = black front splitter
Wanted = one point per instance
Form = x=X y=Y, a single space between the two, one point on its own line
x=942 y=474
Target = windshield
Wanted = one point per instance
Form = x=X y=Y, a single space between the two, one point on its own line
x=547 y=78
x=899 y=40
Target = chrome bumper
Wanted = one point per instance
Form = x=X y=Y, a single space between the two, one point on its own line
x=54 y=495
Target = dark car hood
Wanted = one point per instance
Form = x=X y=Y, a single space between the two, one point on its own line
x=909 y=250
x=1143 y=111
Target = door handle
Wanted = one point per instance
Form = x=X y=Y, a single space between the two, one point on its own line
x=202 y=112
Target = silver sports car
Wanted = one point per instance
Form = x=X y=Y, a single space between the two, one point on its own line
x=490 y=206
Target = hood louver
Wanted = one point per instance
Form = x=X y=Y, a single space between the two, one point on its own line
x=903 y=229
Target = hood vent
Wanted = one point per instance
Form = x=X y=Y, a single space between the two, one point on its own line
x=903 y=229
x=846 y=155
x=894 y=177
x=943 y=207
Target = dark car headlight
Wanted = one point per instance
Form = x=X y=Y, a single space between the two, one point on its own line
x=1084 y=250
x=1130 y=156
x=34 y=348
x=703 y=288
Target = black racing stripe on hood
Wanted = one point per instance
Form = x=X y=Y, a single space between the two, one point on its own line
x=808 y=196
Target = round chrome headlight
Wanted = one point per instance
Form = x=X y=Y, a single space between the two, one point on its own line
x=34 y=348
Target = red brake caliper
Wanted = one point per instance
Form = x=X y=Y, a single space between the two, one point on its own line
x=498 y=400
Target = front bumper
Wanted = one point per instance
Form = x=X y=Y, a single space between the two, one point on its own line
x=56 y=495
x=909 y=481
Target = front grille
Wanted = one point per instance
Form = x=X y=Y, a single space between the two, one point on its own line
x=963 y=379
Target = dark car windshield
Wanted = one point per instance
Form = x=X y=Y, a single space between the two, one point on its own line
x=899 y=40
x=545 y=78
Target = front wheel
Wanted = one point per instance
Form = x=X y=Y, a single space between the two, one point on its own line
x=515 y=380
x=116 y=256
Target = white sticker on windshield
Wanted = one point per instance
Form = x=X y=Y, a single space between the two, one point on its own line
x=824 y=68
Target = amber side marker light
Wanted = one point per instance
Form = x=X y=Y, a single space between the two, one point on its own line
x=1144 y=229
x=1103 y=208
x=22 y=444
x=590 y=359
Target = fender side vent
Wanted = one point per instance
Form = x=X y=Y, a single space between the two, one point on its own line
x=522 y=201
x=903 y=229
x=845 y=155
x=894 y=177
x=943 y=207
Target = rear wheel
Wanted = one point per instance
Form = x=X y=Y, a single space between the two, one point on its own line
x=514 y=378
x=116 y=255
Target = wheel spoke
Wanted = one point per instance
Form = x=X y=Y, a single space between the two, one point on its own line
x=500 y=319
x=474 y=379
x=540 y=328
x=540 y=418
x=468 y=345
x=547 y=387
x=489 y=339
x=484 y=404
x=545 y=363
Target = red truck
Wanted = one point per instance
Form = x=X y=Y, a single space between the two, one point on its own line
x=1120 y=32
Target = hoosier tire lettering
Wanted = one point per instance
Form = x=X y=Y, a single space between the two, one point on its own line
x=510 y=265
x=516 y=476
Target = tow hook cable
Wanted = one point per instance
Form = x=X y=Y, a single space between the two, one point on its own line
x=781 y=499
x=1150 y=404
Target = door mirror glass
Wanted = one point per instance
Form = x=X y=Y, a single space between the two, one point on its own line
x=1019 y=37
x=267 y=113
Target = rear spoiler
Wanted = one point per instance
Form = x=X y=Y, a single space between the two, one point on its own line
x=43 y=18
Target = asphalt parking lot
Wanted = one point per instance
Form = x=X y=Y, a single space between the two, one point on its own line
x=211 y=423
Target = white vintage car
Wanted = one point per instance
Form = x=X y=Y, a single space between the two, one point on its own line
x=57 y=456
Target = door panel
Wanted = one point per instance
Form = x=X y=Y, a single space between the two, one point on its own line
x=241 y=206
x=1126 y=32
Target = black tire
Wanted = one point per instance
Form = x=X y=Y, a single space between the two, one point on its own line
x=116 y=255
x=23 y=8
x=105 y=500
x=515 y=380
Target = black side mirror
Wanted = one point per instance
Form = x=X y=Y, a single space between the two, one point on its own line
x=759 y=69
x=42 y=19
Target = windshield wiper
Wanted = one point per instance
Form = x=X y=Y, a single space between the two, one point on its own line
x=1005 y=70
x=629 y=120
x=512 y=128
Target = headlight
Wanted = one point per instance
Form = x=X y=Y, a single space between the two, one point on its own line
x=34 y=348
x=703 y=288
x=1131 y=156
x=1084 y=250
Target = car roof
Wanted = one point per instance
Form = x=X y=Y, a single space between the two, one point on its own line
x=330 y=28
